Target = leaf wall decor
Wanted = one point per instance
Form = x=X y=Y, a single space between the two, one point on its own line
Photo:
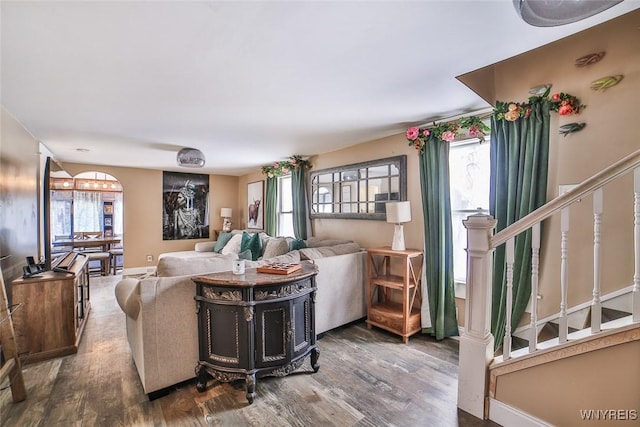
x=571 y=128
x=589 y=59
x=605 y=83
x=540 y=90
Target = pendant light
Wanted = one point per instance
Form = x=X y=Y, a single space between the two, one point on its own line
x=546 y=13
x=190 y=158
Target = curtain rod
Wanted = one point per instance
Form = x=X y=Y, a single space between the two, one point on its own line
x=482 y=113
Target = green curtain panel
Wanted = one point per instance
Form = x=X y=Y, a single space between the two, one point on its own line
x=301 y=221
x=519 y=166
x=436 y=208
x=271 y=206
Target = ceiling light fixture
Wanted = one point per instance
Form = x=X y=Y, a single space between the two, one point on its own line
x=546 y=13
x=190 y=158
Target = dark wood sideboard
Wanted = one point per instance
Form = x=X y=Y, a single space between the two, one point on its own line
x=255 y=324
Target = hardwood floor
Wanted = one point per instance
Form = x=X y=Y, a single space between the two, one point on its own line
x=366 y=378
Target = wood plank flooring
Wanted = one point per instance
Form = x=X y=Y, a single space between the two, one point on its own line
x=366 y=378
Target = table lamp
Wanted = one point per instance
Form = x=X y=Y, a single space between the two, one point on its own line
x=398 y=213
x=226 y=214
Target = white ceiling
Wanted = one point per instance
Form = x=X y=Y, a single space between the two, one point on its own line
x=248 y=83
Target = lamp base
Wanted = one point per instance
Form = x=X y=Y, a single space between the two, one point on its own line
x=398 y=238
x=226 y=225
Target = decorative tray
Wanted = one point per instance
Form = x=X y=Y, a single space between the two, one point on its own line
x=279 y=268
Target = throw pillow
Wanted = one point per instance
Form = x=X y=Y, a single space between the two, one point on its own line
x=233 y=246
x=223 y=239
x=298 y=244
x=275 y=246
x=253 y=243
x=245 y=255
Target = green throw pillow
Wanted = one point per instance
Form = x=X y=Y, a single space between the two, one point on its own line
x=223 y=239
x=253 y=243
x=298 y=244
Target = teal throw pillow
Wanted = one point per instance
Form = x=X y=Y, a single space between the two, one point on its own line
x=298 y=244
x=245 y=255
x=253 y=243
x=223 y=239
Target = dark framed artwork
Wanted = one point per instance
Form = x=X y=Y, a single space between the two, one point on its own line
x=185 y=206
x=255 y=208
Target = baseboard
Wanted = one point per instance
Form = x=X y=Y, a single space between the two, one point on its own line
x=509 y=416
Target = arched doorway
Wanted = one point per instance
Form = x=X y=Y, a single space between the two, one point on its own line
x=87 y=210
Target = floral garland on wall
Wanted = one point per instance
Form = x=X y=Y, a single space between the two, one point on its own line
x=562 y=103
x=285 y=167
x=446 y=131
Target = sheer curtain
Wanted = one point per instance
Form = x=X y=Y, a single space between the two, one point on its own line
x=518 y=186
x=87 y=211
x=118 y=215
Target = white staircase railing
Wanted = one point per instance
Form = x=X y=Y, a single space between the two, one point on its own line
x=477 y=342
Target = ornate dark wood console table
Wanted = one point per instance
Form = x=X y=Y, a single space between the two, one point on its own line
x=255 y=324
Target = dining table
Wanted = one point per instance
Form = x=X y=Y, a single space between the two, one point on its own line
x=105 y=243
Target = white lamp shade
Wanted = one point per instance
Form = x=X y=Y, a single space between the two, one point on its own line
x=398 y=212
x=226 y=212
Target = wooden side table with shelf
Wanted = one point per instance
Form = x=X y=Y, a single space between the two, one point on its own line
x=400 y=315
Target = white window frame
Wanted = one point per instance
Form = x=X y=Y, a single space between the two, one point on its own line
x=280 y=211
x=466 y=213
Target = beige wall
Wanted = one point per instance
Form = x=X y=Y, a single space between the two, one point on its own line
x=611 y=133
x=605 y=379
x=19 y=189
x=142 y=199
x=369 y=233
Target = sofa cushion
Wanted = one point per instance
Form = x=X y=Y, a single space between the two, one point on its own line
x=223 y=239
x=169 y=266
x=327 y=251
x=233 y=246
x=315 y=242
x=128 y=296
x=275 y=246
x=205 y=246
x=253 y=243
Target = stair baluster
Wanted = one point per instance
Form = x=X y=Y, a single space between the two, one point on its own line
x=636 y=244
x=596 y=305
x=535 y=271
x=564 y=276
x=506 y=344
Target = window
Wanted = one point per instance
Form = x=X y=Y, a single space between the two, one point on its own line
x=285 y=207
x=358 y=191
x=469 y=167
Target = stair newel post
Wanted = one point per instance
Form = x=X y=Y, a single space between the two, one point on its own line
x=506 y=342
x=636 y=244
x=535 y=274
x=596 y=305
x=477 y=342
x=563 y=324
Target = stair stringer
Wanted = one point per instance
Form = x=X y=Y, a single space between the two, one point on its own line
x=604 y=342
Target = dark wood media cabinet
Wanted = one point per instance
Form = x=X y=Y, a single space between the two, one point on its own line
x=255 y=325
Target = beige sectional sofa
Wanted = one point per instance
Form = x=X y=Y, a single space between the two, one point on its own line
x=160 y=309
